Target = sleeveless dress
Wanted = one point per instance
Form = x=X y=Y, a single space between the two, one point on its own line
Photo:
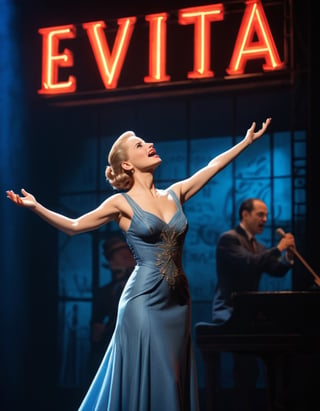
x=149 y=364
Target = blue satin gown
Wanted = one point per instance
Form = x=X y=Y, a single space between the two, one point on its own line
x=149 y=364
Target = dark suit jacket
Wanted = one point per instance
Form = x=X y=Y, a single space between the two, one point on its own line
x=239 y=269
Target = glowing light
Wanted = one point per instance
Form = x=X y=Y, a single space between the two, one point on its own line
x=254 y=42
x=157 y=48
x=201 y=17
x=52 y=60
x=254 y=21
x=110 y=64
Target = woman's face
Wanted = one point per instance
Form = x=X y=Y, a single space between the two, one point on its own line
x=141 y=155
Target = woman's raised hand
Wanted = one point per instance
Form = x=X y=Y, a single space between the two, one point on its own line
x=28 y=200
x=254 y=135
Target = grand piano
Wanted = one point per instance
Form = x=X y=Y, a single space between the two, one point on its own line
x=270 y=325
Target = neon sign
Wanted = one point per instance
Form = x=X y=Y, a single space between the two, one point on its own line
x=254 y=42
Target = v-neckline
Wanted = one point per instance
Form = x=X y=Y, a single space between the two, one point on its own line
x=153 y=214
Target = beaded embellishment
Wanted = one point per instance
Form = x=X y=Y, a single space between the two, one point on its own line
x=169 y=260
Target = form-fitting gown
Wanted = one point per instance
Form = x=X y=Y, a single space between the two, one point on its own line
x=149 y=364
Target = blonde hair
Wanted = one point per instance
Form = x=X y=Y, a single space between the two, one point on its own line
x=119 y=178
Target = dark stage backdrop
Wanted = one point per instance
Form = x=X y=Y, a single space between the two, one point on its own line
x=59 y=153
x=262 y=172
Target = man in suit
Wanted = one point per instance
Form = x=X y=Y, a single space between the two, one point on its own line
x=240 y=261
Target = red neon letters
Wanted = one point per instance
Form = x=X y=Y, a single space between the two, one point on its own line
x=254 y=41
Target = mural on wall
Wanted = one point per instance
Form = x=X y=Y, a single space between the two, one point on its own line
x=265 y=171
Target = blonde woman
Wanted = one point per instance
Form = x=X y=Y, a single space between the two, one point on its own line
x=149 y=363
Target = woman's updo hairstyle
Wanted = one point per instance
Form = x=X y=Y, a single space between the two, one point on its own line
x=119 y=178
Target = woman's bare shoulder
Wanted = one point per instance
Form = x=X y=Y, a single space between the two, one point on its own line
x=115 y=200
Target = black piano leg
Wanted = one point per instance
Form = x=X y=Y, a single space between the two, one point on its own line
x=212 y=371
x=245 y=375
x=276 y=366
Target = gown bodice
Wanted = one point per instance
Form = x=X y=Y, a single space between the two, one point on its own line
x=155 y=243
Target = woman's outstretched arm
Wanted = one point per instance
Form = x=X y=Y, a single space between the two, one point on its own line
x=106 y=212
x=189 y=187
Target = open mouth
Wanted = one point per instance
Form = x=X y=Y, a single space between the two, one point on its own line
x=152 y=153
